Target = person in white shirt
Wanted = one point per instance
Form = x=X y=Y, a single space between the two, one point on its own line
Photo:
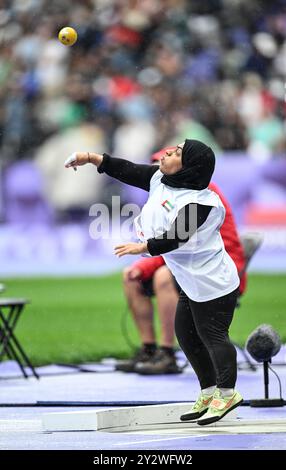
x=181 y=221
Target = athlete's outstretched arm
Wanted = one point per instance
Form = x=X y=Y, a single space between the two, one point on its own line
x=123 y=170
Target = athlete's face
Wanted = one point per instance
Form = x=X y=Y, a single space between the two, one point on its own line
x=171 y=162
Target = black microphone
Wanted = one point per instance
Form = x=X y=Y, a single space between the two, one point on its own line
x=263 y=343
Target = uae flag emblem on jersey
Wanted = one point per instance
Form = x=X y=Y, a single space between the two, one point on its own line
x=167 y=205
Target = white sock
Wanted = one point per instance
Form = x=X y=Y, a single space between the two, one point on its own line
x=209 y=390
x=226 y=392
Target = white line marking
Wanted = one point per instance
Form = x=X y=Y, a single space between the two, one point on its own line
x=20 y=425
x=159 y=440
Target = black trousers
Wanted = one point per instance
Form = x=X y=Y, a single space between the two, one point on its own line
x=202 y=332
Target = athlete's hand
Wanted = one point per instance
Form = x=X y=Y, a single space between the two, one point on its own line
x=76 y=159
x=81 y=158
x=131 y=249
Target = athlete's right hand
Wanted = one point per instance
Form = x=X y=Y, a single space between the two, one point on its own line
x=81 y=158
x=76 y=159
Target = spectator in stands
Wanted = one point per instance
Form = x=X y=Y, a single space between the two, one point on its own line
x=181 y=56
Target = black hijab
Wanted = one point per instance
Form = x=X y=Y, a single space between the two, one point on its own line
x=198 y=162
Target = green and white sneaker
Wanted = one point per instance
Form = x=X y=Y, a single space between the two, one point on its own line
x=199 y=408
x=219 y=407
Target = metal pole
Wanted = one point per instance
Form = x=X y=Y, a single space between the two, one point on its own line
x=266 y=379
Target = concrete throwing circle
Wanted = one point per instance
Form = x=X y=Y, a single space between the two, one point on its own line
x=155 y=419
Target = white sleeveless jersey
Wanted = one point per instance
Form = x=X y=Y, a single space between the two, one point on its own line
x=201 y=266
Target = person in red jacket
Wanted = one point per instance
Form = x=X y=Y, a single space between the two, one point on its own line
x=149 y=277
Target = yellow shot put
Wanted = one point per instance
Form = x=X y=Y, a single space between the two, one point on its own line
x=67 y=36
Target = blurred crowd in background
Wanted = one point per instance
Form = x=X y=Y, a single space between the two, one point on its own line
x=143 y=74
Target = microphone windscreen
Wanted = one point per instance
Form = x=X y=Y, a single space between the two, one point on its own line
x=263 y=343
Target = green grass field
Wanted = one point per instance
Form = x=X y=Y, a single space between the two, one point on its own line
x=78 y=320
